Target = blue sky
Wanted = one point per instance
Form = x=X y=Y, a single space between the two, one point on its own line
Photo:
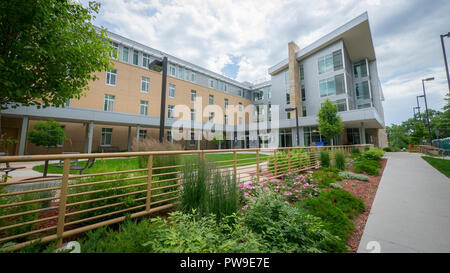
x=241 y=39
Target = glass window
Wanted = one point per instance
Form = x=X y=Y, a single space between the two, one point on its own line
x=192 y=114
x=360 y=69
x=211 y=99
x=171 y=91
x=170 y=111
x=325 y=64
x=211 y=116
x=144 y=107
x=332 y=86
x=135 y=57
x=303 y=93
x=211 y=83
x=240 y=121
x=106 y=136
x=303 y=110
x=180 y=72
x=192 y=77
x=226 y=119
x=362 y=106
x=362 y=90
x=193 y=95
x=337 y=60
x=186 y=75
x=240 y=106
x=353 y=136
x=288 y=115
x=172 y=70
x=340 y=84
x=125 y=54
x=111 y=77
x=288 y=98
x=341 y=105
x=286 y=77
x=145 y=60
x=108 y=103
x=169 y=136
x=114 y=49
x=192 y=141
x=145 y=84
x=224 y=87
x=142 y=134
x=302 y=72
x=226 y=103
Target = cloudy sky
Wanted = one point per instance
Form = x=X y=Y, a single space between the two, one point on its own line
x=241 y=39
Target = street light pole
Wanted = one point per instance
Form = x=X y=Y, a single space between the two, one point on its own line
x=296 y=120
x=162 y=63
x=426 y=107
x=445 y=58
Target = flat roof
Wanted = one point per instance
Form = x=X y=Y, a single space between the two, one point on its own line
x=355 y=34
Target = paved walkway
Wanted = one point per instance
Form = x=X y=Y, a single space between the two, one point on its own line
x=411 y=211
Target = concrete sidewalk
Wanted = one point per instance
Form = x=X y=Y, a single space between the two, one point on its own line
x=411 y=210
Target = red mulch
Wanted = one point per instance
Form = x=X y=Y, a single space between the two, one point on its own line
x=365 y=191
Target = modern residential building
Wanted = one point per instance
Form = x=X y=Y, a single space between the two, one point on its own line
x=124 y=104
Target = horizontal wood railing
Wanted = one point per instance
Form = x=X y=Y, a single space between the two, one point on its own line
x=54 y=208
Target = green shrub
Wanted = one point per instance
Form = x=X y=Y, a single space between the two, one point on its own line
x=324 y=159
x=366 y=149
x=371 y=167
x=339 y=158
x=373 y=154
x=297 y=158
x=289 y=229
x=324 y=177
x=335 y=186
x=388 y=149
x=345 y=201
x=356 y=150
x=350 y=175
x=208 y=190
x=334 y=219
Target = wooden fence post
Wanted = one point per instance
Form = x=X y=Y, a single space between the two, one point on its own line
x=149 y=182
x=289 y=159
x=257 y=165
x=62 y=202
x=234 y=165
x=275 y=161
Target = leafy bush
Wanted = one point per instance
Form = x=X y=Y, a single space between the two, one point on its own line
x=335 y=186
x=356 y=150
x=350 y=175
x=324 y=159
x=366 y=149
x=339 y=158
x=297 y=159
x=325 y=177
x=371 y=167
x=288 y=229
x=345 y=201
x=179 y=233
x=208 y=190
x=334 y=219
x=373 y=154
x=388 y=149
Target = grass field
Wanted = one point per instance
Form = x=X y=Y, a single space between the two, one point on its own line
x=117 y=164
x=442 y=165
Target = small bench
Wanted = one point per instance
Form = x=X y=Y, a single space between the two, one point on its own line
x=7 y=167
x=89 y=163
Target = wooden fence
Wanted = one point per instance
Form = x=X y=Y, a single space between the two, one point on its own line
x=58 y=207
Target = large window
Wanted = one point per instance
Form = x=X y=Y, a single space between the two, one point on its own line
x=226 y=103
x=142 y=134
x=171 y=91
x=192 y=114
x=145 y=60
x=172 y=70
x=192 y=77
x=362 y=90
x=311 y=135
x=241 y=107
x=180 y=72
x=114 y=49
x=353 y=136
x=186 y=75
x=363 y=106
x=303 y=92
x=302 y=72
x=111 y=77
x=170 y=111
x=144 y=107
x=106 y=137
x=211 y=99
x=360 y=69
x=169 y=136
x=135 y=57
x=193 y=95
x=341 y=104
x=330 y=62
x=125 y=54
x=145 y=84
x=109 y=103
x=332 y=86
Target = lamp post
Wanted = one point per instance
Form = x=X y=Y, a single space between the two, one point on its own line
x=426 y=106
x=414 y=111
x=418 y=109
x=162 y=63
x=296 y=120
x=445 y=58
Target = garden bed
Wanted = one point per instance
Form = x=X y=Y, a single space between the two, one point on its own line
x=365 y=191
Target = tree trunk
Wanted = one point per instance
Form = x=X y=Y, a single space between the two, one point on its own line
x=45 y=168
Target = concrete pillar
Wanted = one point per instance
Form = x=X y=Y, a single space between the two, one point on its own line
x=23 y=135
x=90 y=137
x=86 y=138
x=362 y=134
x=199 y=139
x=138 y=128
x=129 y=139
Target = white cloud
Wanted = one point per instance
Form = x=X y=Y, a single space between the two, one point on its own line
x=207 y=33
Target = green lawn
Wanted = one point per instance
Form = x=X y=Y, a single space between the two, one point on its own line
x=442 y=165
x=118 y=164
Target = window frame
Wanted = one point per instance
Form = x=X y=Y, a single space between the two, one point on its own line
x=143 y=103
x=172 y=88
x=146 y=81
x=106 y=131
x=109 y=75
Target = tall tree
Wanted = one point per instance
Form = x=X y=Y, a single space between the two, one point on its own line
x=330 y=123
x=49 y=50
